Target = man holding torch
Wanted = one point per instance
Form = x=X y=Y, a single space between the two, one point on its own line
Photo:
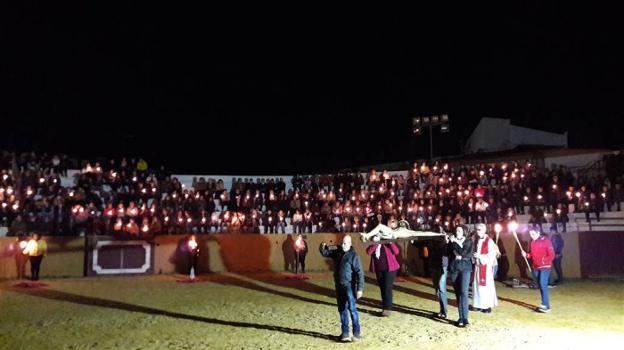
x=541 y=254
x=347 y=265
x=301 y=249
x=36 y=249
x=193 y=249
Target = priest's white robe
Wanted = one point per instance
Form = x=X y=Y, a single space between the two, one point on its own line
x=484 y=297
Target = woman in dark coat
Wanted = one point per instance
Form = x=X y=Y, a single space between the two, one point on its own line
x=461 y=268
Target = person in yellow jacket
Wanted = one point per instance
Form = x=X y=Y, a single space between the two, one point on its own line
x=36 y=249
x=142 y=165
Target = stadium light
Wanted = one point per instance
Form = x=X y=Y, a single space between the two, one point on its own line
x=430 y=121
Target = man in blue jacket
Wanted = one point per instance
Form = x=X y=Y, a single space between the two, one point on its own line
x=349 y=280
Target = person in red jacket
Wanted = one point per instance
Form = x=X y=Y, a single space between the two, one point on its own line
x=385 y=266
x=541 y=254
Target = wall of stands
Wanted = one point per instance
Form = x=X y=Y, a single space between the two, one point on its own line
x=586 y=254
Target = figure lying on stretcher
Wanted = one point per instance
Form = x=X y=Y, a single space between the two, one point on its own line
x=383 y=232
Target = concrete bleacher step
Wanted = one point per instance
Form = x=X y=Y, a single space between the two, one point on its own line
x=604 y=214
x=587 y=227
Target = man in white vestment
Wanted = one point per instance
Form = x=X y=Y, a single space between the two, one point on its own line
x=484 y=290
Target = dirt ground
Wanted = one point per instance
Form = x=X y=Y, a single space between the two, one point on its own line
x=271 y=311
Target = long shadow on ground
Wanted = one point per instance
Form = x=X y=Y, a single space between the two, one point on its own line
x=414 y=292
x=305 y=286
x=231 y=280
x=450 y=290
x=112 y=304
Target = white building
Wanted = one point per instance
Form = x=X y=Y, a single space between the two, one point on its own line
x=497 y=134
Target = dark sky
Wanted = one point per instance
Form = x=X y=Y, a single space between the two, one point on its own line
x=215 y=91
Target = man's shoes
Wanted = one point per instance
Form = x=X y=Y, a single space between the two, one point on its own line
x=345 y=338
x=466 y=323
x=357 y=337
x=543 y=309
x=487 y=311
x=460 y=324
x=385 y=313
x=441 y=315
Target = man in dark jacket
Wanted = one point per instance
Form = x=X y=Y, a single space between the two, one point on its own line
x=557 y=243
x=349 y=279
x=439 y=262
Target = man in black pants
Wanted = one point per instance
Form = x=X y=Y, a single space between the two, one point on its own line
x=384 y=265
x=193 y=255
x=36 y=249
x=557 y=242
x=301 y=249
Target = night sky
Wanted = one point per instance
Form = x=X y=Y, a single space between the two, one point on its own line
x=221 y=92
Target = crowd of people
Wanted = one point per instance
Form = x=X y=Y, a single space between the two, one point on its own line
x=129 y=198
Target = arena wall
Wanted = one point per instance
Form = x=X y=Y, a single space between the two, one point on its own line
x=586 y=254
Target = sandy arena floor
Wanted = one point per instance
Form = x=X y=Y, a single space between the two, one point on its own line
x=270 y=311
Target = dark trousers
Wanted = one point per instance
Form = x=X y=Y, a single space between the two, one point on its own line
x=461 y=283
x=558 y=270
x=385 y=279
x=193 y=261
x=594 y=211
x=300 y=261
x=35 y=264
